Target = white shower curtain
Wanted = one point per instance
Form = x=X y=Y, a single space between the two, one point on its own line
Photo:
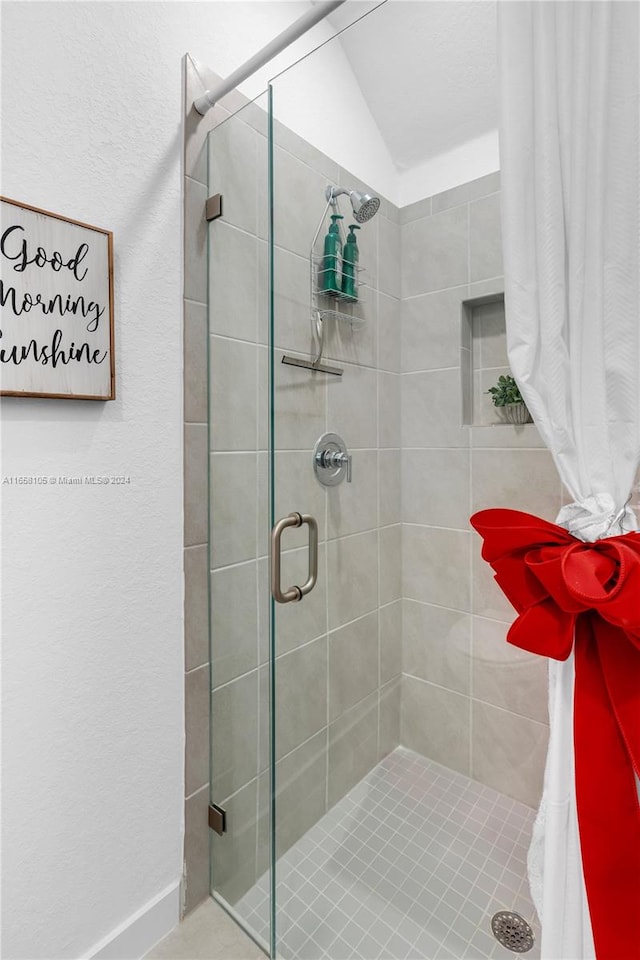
x=569 y=145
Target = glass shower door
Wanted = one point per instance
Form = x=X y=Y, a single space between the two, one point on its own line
x=335 y=457
x=238 y=321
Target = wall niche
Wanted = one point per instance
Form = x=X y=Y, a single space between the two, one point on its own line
x=483 y=358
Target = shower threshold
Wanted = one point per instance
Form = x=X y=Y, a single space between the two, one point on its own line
x=412 y=863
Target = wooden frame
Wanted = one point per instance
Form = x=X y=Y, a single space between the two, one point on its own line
x=32 y=253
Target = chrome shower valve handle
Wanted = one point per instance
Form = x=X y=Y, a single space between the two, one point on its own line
x=331 y=460
x=335 y=460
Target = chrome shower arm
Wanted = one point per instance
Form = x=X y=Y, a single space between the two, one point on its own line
x=332 y=193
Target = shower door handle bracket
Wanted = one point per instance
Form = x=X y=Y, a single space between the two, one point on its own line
x=293 y=593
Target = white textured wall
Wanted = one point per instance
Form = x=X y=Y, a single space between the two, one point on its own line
x=92 y=576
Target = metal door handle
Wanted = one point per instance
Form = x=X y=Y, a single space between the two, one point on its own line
x=293 y=593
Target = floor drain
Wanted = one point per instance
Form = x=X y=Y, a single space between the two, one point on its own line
x=512 y=931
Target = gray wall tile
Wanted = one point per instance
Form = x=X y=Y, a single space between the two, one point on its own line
x=196 y=607
x=389 y=409
x=353 y=507
x=353 y=747
x=388 y=257
x=233 y=410
x=390 y=705
x=485 y=238
x=300 y=406
x=299 y=192
x=195 y=362
x=435 y=723
x=437 y=645
x=508 y=752
x=292 y=315
x=353 y=664
x=416 y=211
x=389 y=333
x=301 y=695
x=301 y=788
x=466 y=192
x=390 y=641
x=520 y=479
x=506 y=676
x=196 y=729
x=195 y=241
x=352 y=404
x=297 y=623
x=390 y=564
x=196 y=848
x=435 y=563
x=352 y=577
x=233 y=282
x=434 y=252
x=233 y=508
x=234 y=728
x=489 y=335
x=234 y=621
x=298 y=489
x=233 y=855
x=195 y=484
x=436 y=487
x=432 y=410
x=389 y=489
x=431 y=330
x=294 y=144
x=491 y=288
x=236 y=181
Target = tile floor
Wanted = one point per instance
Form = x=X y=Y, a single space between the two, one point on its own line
x=412 y=863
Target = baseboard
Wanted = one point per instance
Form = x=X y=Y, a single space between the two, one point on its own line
x=142 y=930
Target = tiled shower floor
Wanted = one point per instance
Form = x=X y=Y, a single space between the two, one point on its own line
x=411 y=863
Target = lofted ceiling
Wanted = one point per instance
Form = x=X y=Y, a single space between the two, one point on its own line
x=427 y=70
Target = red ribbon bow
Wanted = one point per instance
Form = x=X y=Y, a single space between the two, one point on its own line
x=586 y=595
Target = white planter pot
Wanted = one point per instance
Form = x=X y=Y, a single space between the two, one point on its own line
x=516 y=413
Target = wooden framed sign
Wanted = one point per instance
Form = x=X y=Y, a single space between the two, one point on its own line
x=56 y=306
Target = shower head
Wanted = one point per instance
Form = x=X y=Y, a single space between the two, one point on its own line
x=365 y=205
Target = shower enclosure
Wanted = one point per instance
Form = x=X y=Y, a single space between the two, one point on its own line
x=376 y=751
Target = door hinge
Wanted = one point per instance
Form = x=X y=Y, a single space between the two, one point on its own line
x=213 y=207
x=217 y=818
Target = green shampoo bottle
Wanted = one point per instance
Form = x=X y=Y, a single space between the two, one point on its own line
x=350 y=258
x=329 y=272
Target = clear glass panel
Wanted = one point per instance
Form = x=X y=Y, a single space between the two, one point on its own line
x=239 y=517
x=337 y=701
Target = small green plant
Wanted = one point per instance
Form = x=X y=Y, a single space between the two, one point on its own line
x=505 y=391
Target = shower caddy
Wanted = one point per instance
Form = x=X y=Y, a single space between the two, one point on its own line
x=334 y=306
